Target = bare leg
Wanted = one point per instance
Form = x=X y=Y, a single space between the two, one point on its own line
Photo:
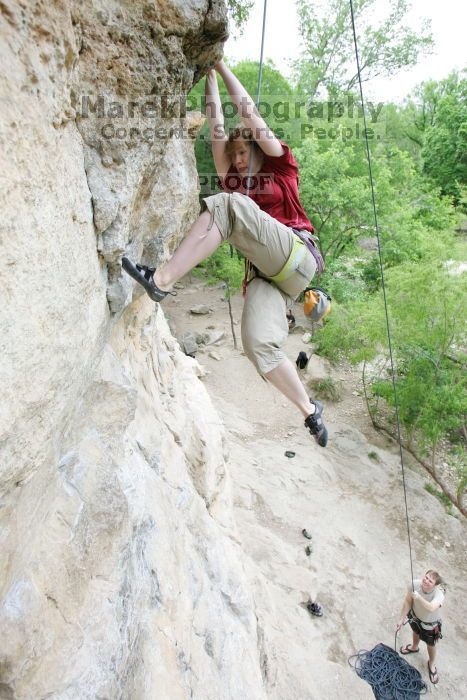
x=197 y=245
x=432 y=656
x=285 y=378
x=415 y=640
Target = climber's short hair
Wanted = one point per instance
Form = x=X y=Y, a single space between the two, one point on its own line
x=435 y=576
x=240 y=133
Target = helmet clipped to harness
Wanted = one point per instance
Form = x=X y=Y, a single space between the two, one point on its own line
x=316 y=304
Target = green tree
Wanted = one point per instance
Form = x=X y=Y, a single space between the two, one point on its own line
x=336 y=194
x=328 y=60
x=239 y=12
x=444 y=151
x=426 y=303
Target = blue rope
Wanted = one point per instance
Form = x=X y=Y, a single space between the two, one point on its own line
x=390 y=676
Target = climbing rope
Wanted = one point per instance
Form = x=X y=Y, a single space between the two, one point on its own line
x=258 y=87
x=380 y=255
x=260 y=70
x=390 y=676
x=248 y=266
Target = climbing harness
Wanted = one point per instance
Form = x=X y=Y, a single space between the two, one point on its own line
x=429 y=632
x=295 y=259
x=310 y=241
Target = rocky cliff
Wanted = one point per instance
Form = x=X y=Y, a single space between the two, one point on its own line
x=120 y=574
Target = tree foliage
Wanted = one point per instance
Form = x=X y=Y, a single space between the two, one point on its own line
x=444 y=151
x=239 y=12
x=428 y=317
x=432 y=127
x=336 y=193
x=328 y=60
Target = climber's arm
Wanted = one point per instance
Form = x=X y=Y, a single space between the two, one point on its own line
x=429 y=605
x=216 y=124
x=249 y=114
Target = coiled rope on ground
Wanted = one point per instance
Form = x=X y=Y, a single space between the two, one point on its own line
x=390 y=676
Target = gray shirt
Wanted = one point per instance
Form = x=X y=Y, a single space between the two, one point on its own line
x=437 y=595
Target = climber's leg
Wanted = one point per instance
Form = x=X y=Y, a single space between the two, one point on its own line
x=234 y=217
x=264 y=332
x=264 y=241
x=264 y=325
x=285 y=378
x=201 y=241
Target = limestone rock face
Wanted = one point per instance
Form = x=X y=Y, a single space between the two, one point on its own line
x=121 y=576
x=122 y=580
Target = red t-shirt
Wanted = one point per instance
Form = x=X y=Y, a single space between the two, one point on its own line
x=274 y=189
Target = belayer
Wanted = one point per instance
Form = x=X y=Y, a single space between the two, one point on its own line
x=421 y=607
x=260 y=214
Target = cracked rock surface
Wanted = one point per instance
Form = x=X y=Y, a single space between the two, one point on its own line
x=121 y=574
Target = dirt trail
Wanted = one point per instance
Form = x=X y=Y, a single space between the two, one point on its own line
x=351 y=503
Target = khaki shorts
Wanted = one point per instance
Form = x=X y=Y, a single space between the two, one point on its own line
x=267 y=244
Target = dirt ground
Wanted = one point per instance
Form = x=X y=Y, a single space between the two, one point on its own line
x=349 y=497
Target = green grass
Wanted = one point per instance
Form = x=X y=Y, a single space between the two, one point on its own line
x=442 y=498
x=328 y=389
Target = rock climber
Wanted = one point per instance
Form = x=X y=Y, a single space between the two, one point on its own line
x=421 y=608
x=260 y=214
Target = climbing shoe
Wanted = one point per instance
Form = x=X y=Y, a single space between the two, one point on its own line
x=144 y=276
x=315 y=424
x=302 y=360
x=314 y=609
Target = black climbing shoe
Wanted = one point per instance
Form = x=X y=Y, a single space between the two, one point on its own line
x=144 y=276
x=314 y=609
x=302 y=360
x=315 y=424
